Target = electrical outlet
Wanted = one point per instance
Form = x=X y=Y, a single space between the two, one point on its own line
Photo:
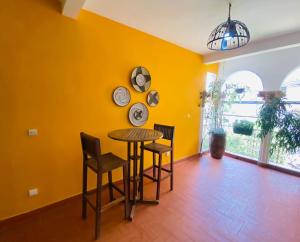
x=32 y=132
x=33 y=192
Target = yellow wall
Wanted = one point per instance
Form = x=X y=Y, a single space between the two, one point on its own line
x=57 y=75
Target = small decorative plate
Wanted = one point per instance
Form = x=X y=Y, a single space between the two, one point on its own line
x=138 y=114
x=121 y=96
x=153 y=98
x=140 y=79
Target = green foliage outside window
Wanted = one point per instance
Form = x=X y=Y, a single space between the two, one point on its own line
x=220 y=97
x=243 y=127
x=285 y=125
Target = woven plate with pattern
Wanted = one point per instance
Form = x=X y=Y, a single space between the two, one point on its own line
x=138 y=114
x=140 y=79
x=121 y=96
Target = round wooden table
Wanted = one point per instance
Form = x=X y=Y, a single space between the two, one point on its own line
x=135 y=136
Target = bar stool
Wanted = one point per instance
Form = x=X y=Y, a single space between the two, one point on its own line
x=101 y=163
x=160 y=149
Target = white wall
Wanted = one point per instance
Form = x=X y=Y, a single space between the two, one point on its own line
x=271 y=67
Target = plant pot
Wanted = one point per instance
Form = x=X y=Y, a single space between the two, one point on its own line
x=217 y=145
x=240 y=90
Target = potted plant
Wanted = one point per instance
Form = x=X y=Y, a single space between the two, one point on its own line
x=240 y=90
x=274 y=118
x=243 y=127
x=219 y=98
x=217 y=143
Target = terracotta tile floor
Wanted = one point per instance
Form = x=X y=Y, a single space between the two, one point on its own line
x=226 y=200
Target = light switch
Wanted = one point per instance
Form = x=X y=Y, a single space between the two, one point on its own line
x=32 y=132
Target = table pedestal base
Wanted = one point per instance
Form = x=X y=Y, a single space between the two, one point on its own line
x=138 y=186
x=148 y=202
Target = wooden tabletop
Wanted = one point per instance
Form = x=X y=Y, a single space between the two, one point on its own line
x=135 y=134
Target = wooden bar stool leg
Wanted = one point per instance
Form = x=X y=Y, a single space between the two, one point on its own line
x=125 y=183
x=135 y=181
x=172 y=171
x=128 y=167
x=154 y=163
x=111 y=195
x=135 y=149
x=142 y=172
x=158 y=177
x=84 y=190
x=98 y=205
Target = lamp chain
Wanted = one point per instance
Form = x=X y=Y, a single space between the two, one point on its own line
x=229 y=11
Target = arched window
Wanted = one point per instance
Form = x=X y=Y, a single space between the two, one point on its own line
x=291 y=87
x=247 y=79
x=245 y=86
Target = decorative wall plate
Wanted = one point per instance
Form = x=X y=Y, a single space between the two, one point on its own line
x=121 y=96
x=140 y=79
x=138 y=114
x=153 y=98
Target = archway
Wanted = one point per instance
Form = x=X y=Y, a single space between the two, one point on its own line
x=291 y=88
x=246 y=85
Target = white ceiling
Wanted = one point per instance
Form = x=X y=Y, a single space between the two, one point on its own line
x=188 y=23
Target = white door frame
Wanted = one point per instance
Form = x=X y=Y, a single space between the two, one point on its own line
x=210 y=76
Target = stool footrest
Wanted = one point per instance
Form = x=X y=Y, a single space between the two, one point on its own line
x=164 y=169
x=117 y=189
x=132 y=157
x=156 y=180
x=165 y=177
x=150 y=177
x=90 y=203
x=106 y=206
x=113 y=203
x=137 y=178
